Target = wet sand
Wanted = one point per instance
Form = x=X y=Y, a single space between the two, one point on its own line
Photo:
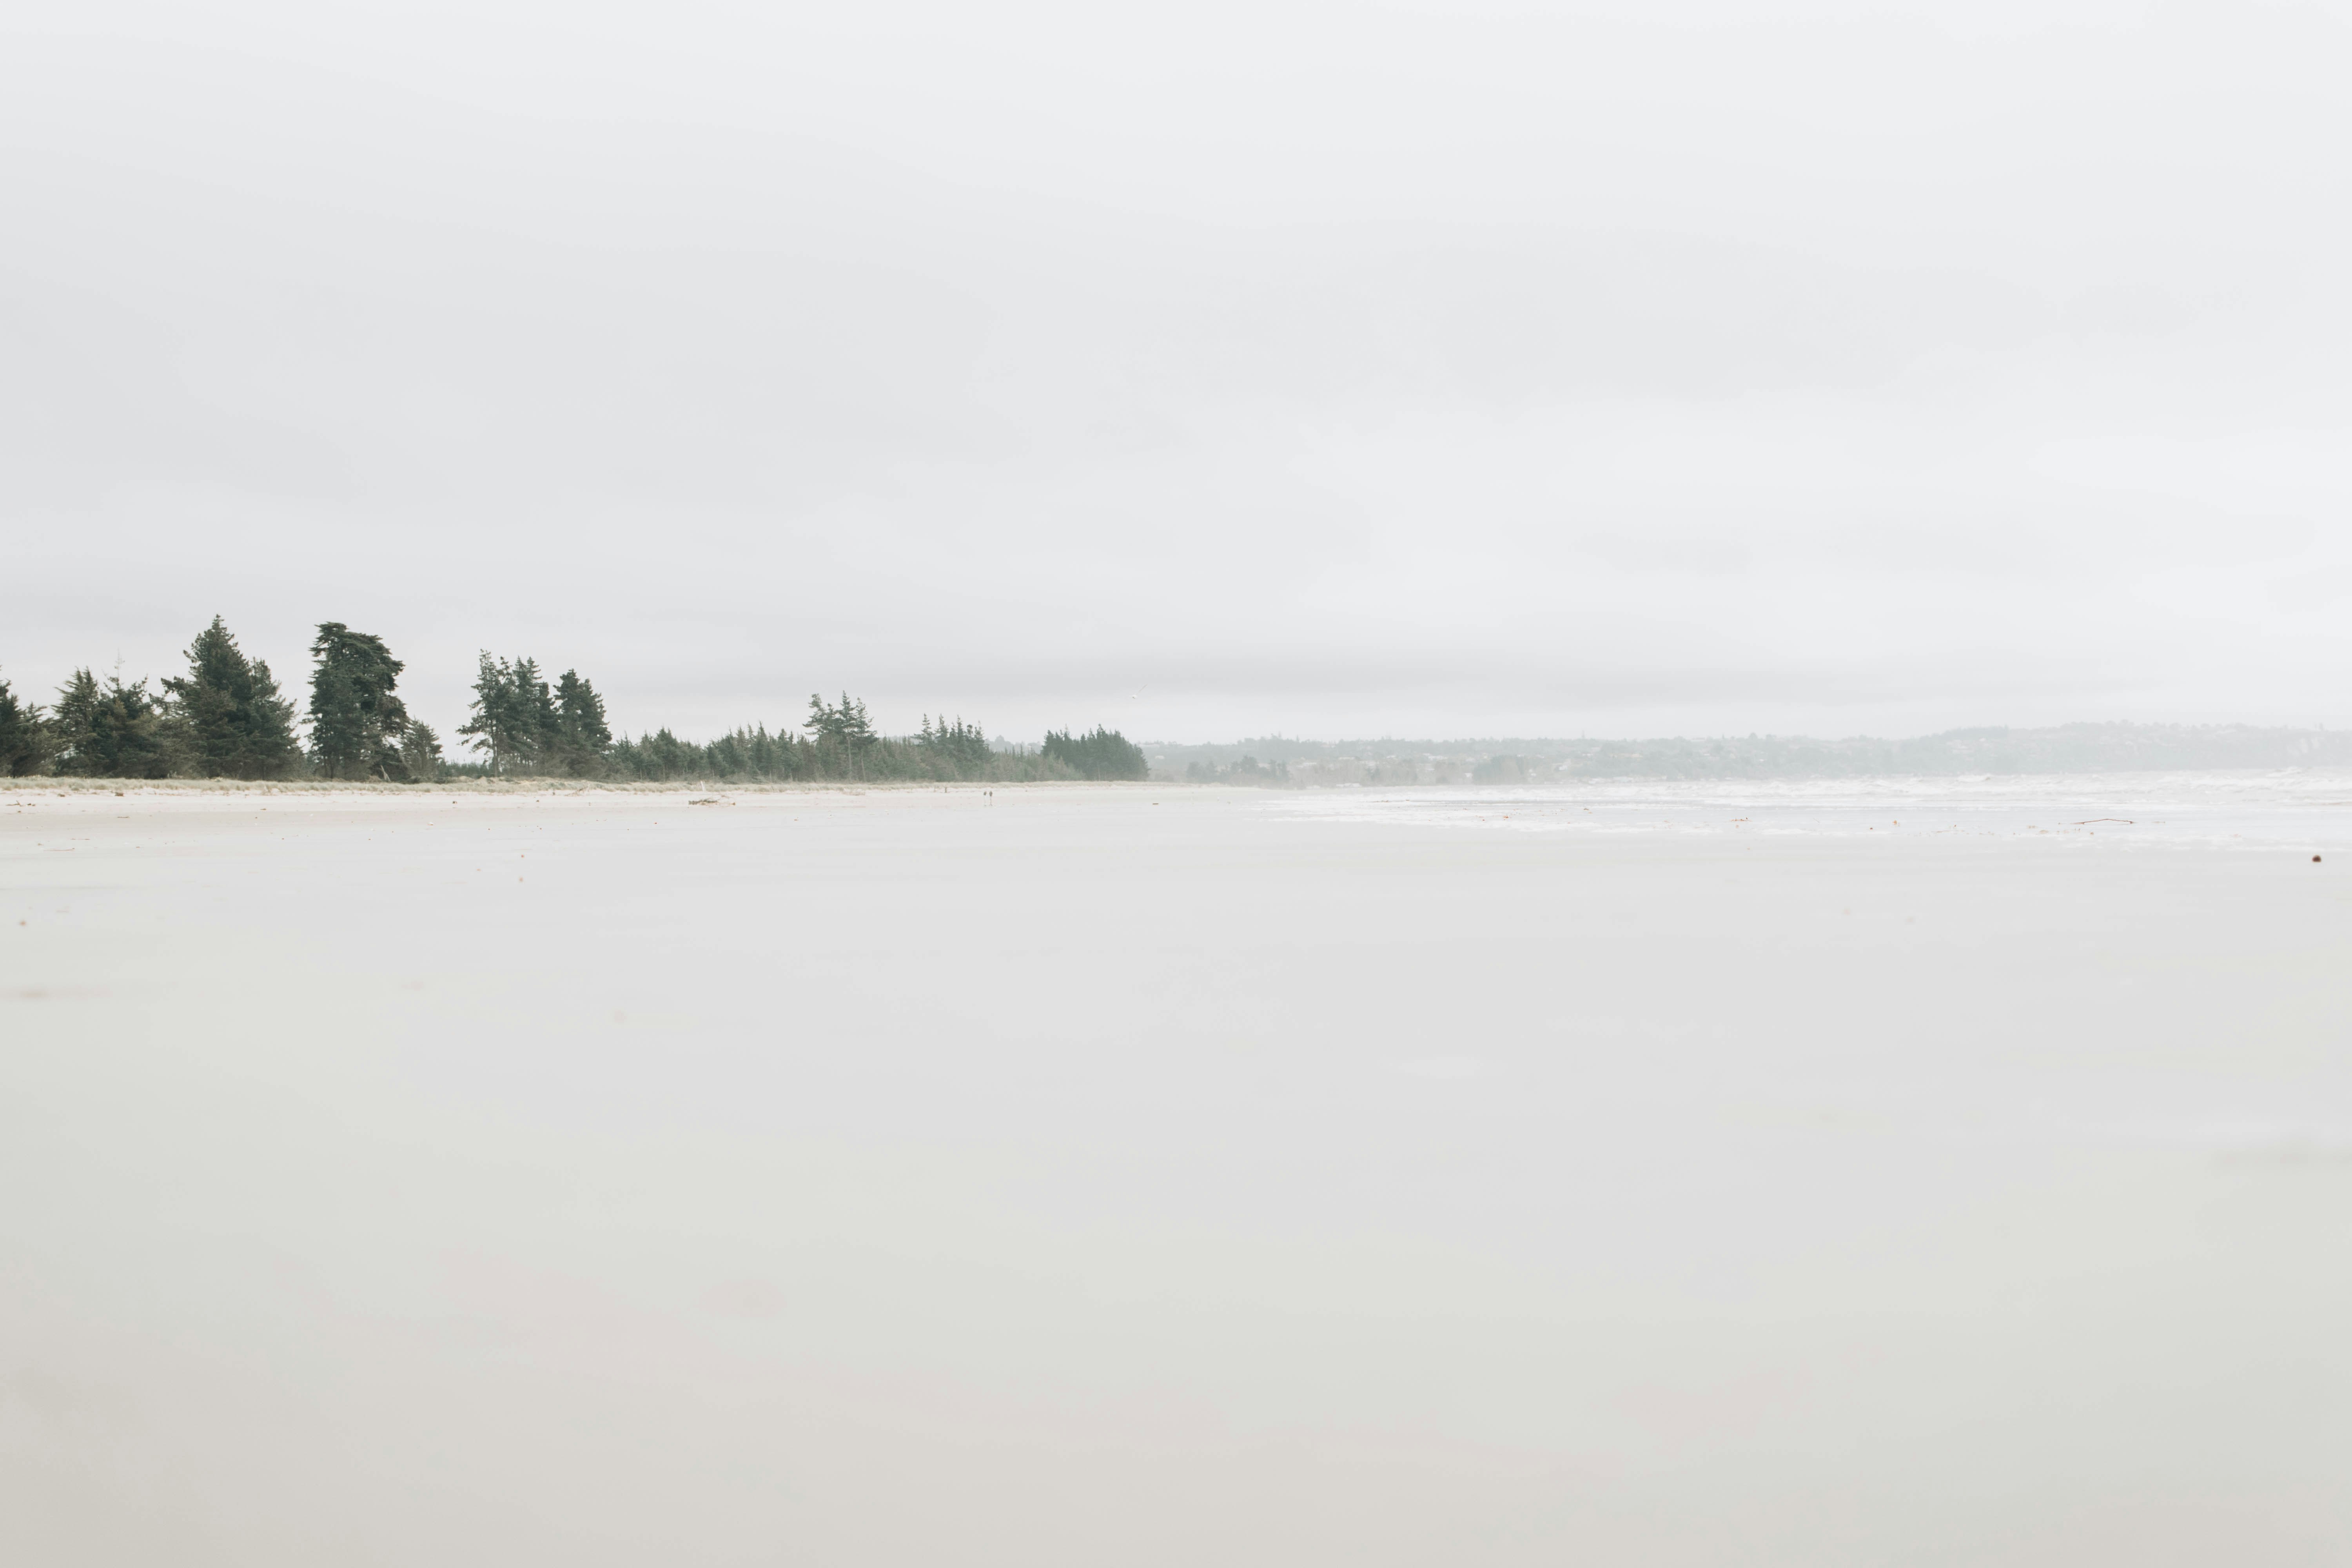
x=1083 y=1176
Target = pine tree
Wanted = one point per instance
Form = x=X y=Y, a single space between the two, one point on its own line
x=491 y=729
x=581 y=736
x=110 y=730
x=844 y=733
x=23 y=736
x=420 y=752
x=821 y=723
x=1102 y=754
x=73 y=720
x=357 y=725
x=844 y=725
x=856 y=729
x=662 y=755
x=538 y=729
x=959 y=750
x=228 y=713
x=520 y=726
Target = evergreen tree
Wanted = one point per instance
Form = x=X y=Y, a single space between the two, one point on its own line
x=822 y=725
x=420 y=752
x=228 y=713
x=844 y=735
x=23 y=736
x=73 y=720
x=730 y=757
x=534 y=716
x=844 y=726
x=581 y=736
x=492 y=729
x=110 y=729
x=960 y=750
x=843 y=745
x=660 y=756
x=1102 y=754
x=357 y=725
x=520 y=727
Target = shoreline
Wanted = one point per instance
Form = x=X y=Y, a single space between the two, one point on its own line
x=1728 y=783
x=539 y=788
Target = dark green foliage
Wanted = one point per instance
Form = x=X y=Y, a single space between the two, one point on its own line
x=755 y=756
x=109 y=731
x=755 y=753
x=751 y=753
x=843 y=746
x=520 y=726
x=844 y=726
x=961 y=747
x=512 y=718
x=226 y=718
x=23 y=736
x=662 y=755
x=1100 y=755
x=420 y=753
x=842 y=737
x=357 y=725
x=227 y=714
x=581 y=736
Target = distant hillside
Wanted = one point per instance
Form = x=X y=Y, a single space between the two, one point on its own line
x=2066 y=748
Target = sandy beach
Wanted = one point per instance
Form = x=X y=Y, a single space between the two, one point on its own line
x=1150 y=1175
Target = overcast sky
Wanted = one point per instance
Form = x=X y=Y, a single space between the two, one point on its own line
x=1207 y=370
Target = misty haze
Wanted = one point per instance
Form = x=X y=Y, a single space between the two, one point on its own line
x=1499 y=782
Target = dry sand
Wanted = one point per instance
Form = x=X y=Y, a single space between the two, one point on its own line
x=1120 y=1176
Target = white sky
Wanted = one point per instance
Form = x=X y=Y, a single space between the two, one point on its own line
x=1340 y=370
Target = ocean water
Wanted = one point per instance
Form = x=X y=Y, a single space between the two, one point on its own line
x=2263 y=809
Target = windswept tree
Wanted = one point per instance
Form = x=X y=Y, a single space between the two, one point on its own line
x=23 y=736
x=420 y=752
x=228 y=714
x=504 y=725
x=108 y=730
x=843 y=732
x=520 y=726
x=357 y=726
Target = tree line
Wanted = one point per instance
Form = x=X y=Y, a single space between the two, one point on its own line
x=226 y=718
x=840 y=743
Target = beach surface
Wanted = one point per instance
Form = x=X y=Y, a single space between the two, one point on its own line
x=1152 y=1176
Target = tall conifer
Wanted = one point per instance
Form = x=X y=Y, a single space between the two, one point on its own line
x=582 y=737
x=420 y=752
x=357 y=725
x=491 y=729
x=23 y=736
x=536 y=723
x=110 y=730
x=229 y=714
